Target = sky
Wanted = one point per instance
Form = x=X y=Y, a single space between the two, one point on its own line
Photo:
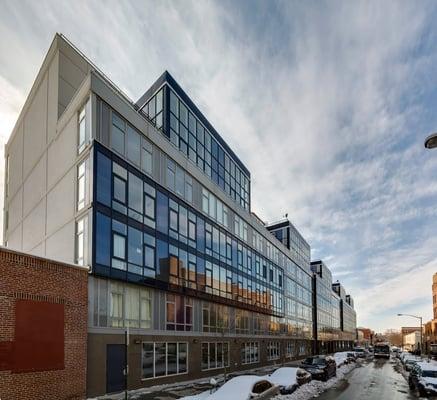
x=326 y=103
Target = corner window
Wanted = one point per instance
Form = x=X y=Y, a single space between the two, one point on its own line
x=81 y=227
x=7 y=176
x=81 y=185
x=84 y=126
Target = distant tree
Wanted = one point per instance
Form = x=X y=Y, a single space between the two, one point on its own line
x=394 y=337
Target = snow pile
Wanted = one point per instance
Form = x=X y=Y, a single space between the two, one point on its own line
x=285 y=376
x=315 y=388
x=200 y=396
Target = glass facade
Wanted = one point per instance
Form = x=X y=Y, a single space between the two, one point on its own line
x=150 y=233
x=199 y=145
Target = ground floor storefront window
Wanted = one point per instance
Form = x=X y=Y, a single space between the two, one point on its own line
x=164 y=358
x=249 y=352
x=215 y=355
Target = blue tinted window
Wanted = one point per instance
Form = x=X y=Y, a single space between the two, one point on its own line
x=103 y=179
x=135 y=246
x=200 y=235
x=161 y=258
x=103 y=239
x=214 y=149
x=135 y=193
x=162 y=212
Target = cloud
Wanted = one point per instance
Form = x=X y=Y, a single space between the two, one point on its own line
x=326 y=105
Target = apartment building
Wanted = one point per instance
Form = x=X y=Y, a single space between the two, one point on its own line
x=335 y=316
x=153 y=200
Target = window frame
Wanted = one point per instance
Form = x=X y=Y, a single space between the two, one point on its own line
x=178 y=343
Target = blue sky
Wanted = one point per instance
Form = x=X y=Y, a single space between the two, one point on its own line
x=327 y=103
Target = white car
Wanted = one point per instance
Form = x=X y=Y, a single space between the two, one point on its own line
x=246 y=387
x=423 y=376
x=289 y=378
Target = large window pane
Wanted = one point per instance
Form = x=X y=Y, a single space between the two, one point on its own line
x=103 y=239
x=147 y=360
x=172 y=358
x=103 y=179
x=183 y=355
x=162 y=212
x=119 y=246
x=119 y=190
x=135 y=246
x=135 y=193
x=160 y=359
x=133 y=145
x=132 y=305
x=118 y=129
x=146 y=157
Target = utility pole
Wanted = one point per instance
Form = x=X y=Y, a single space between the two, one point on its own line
x=126 y=367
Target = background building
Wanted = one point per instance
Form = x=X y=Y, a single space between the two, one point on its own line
x=334 y=315
x=43 y=330
x=411 y=341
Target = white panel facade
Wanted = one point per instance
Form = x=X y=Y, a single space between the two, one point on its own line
x=34 y=187
x=60 y=245
x=35 y=128
x=61 y=202
x=34 y=226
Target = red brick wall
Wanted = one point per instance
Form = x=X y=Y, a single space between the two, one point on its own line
x=25 y=277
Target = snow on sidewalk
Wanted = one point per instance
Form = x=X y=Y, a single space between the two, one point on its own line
x=315 y=388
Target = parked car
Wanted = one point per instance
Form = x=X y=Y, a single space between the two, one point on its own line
x=411 y=362
x=289 y=378
x=423 y=377
x=246 y=387
x=351 y=356
x=360 y=352
x=320 y=367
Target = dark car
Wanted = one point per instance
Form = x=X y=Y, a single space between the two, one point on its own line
x=423 y=377
x=320 y=367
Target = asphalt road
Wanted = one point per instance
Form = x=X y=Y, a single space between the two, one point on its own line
x=373 y=380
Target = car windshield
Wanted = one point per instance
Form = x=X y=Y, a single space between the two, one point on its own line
x=382 y=349
x=315 y=361
x=429 y=374
x=359 y=350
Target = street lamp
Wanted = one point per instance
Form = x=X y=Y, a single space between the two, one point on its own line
x=415 y=316
x=431 y=141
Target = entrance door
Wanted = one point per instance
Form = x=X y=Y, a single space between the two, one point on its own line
x=115 y=363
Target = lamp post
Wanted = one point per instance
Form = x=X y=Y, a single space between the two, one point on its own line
x=415 y=316
x=431 y=141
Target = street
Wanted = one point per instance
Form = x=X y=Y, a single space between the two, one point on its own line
x=373 y=380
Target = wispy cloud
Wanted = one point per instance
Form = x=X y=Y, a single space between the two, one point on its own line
x=327 y=104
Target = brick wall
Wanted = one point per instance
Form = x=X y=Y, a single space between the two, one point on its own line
x=33 y=281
